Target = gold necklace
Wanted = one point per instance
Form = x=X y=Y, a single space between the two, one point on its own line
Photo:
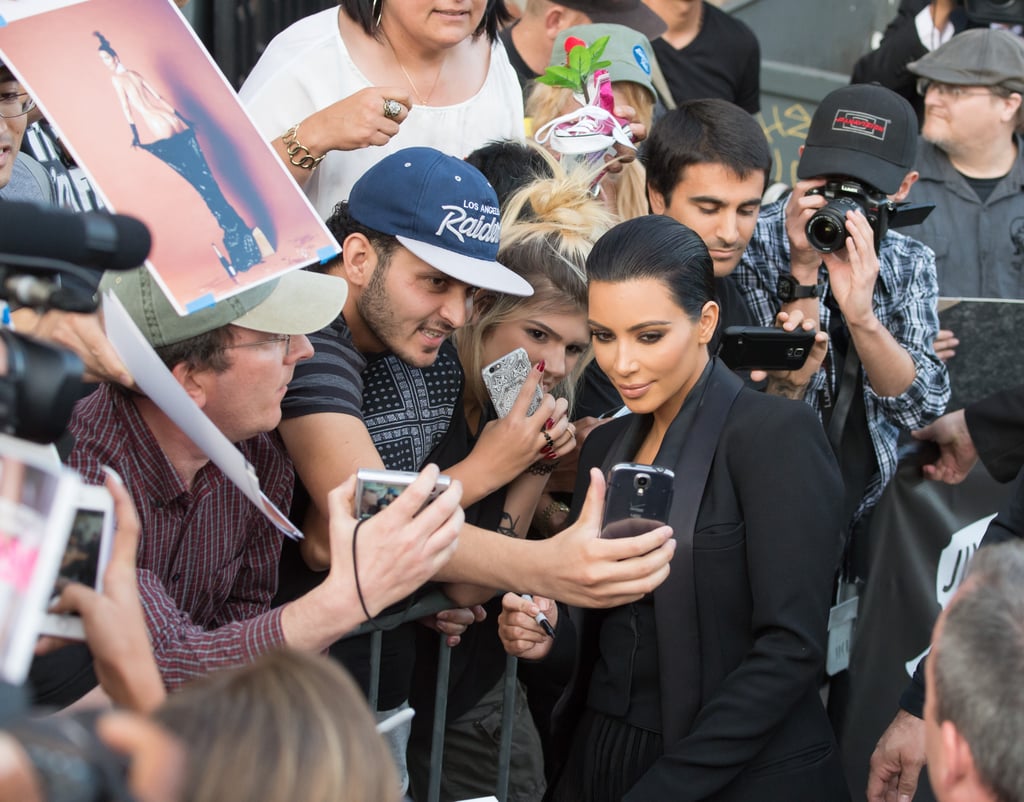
x=424 y=101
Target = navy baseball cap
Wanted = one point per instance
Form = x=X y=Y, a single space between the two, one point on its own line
x=441 y=209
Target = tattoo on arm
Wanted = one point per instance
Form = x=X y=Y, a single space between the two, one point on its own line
x=507 y=525
x=785 y=388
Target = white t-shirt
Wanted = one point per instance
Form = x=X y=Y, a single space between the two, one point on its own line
x=307 y=68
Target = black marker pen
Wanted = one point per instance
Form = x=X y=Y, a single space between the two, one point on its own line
x=540 y=618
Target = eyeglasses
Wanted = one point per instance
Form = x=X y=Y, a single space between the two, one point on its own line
x=952 y=91
x=15 y=104
x=281 y=338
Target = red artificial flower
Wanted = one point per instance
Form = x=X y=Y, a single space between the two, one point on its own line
x=571 y=42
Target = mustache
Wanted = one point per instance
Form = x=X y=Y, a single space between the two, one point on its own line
x=436 y=325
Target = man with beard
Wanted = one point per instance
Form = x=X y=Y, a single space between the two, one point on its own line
x=970 y=163
x=419 y=235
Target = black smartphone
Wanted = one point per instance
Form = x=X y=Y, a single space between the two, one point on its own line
x=765 y=348
x=638 y=499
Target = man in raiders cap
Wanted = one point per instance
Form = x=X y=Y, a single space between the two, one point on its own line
x=874 y=294
x=419 y=236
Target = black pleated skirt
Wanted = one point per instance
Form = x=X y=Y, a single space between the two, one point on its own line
x=607 y=758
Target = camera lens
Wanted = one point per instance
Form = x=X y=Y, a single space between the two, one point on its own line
x=643 y=480
x=826 y=230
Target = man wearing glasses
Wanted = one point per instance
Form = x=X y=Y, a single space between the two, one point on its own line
x=18 y=181
x=970 y=163
x=208 y=558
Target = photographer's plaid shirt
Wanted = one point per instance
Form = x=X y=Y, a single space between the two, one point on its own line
x=905 y=300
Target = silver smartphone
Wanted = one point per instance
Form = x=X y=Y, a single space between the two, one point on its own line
x=504 y=378
x=85 y=556
x=377 y=488
x=638 y=499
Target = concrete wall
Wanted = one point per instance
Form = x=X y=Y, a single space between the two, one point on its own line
x=808 y=48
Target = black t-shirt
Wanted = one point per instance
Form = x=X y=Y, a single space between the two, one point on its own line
x=723 y=61
x=523 y=70
x=407 y=412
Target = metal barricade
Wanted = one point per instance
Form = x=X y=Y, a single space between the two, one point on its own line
x=432 y=603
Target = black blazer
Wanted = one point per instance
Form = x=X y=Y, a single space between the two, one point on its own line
x=996 y=424
x=765 y=548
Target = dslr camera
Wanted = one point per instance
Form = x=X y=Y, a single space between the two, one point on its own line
x=826 y=230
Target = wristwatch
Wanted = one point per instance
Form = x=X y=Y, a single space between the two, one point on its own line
x=789 y=289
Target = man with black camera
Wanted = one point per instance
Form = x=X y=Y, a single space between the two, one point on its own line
x=827 y=251
x=971 y=163
x=873 y=290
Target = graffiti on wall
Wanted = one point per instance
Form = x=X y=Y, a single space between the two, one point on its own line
x=785 y=124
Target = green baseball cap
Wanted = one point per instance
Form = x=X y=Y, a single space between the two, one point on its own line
x=298 y=302
x=629 y=51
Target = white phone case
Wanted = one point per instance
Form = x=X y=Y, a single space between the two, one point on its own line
x=85 y=556
x=504 y=378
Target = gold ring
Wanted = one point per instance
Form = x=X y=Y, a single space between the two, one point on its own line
x=392 y=108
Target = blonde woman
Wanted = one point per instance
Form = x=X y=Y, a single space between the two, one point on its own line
x=291 y=725
x=555 y=222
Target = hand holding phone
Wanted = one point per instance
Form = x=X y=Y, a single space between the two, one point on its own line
x=376 y=489
x=765 y=348
x=85 y=557
x=505 y=377
x=638 y=499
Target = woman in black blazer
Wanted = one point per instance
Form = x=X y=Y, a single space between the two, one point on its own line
x=707 y=689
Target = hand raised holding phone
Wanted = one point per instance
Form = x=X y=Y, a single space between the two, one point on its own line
x=529 y=429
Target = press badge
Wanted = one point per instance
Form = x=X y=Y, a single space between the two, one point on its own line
x=841 y=621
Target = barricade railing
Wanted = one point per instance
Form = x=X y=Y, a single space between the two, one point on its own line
x=434 y=602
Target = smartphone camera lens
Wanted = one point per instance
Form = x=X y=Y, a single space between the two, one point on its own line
x=642 y=480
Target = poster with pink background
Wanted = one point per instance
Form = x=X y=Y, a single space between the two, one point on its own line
x=148 y=116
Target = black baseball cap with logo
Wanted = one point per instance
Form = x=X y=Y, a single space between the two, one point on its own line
x=632 y=13
x=863 y=131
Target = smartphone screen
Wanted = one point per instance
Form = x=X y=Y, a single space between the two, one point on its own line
x=376 y=489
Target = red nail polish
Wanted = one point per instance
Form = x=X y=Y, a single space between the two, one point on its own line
x=540 y=366
x=549 y=424
x=552 y=455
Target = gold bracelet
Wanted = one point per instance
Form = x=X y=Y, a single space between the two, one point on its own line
x=293 y=147
x=549 y=511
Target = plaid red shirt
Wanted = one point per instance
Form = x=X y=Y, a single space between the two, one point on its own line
x=207 y=562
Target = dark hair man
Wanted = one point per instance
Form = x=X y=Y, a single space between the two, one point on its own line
x=707 y=166
x=874 y=295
